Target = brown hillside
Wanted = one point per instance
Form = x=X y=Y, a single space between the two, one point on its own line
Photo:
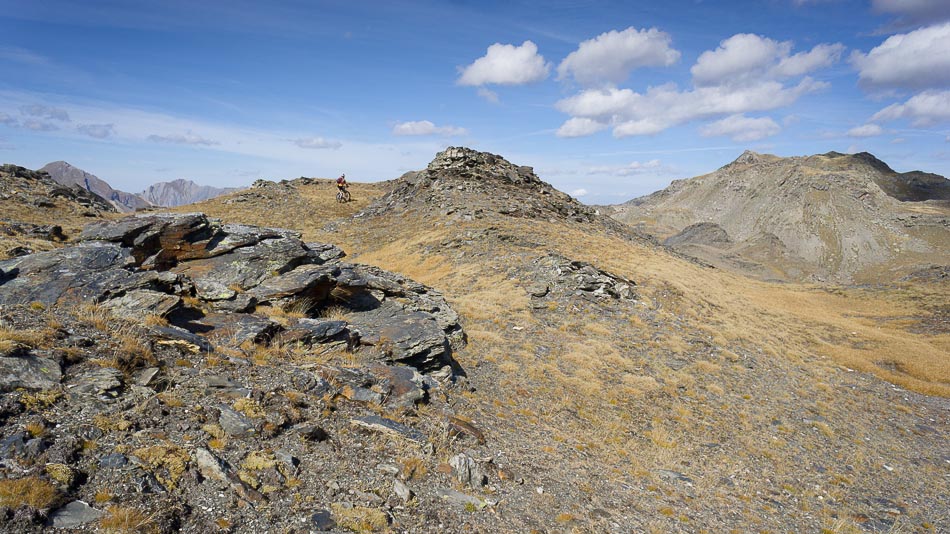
x=677 y=411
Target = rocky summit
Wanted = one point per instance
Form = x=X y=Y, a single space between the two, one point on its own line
x=466 y=184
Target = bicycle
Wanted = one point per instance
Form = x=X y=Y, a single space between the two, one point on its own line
x=342 y=196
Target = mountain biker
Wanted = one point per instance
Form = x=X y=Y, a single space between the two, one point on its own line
x=341 y=183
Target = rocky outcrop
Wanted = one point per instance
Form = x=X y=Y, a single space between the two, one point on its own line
x=25 y=187
x=151 y=265
x=68 y=175
x=559 y=278
x=193 y=369
x=467 y=184
x=703 y=233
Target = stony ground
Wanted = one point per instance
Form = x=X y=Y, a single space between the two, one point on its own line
x=606 y=386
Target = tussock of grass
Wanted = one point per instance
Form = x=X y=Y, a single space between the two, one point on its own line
x=128 y=520
x=30 y=491
x=11 y=338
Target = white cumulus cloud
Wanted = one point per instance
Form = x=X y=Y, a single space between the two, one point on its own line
x=925 y=109
x=659 y=108
x=916 y=60
x=748 y=56
x=746 y=73
x=317 y=143
x=580 y=126
x=505 y=64
x=578 y=192
x=741 y=128
x=866 y=130
x=612 y=56
x=426 y=128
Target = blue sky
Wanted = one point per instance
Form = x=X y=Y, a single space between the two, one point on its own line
x=607 y=100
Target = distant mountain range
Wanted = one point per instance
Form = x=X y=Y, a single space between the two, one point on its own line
x=164 y=194
x=66 y=174
x=180 y=192
x=833 y=216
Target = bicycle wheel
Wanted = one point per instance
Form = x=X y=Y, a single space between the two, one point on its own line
x=346 y=196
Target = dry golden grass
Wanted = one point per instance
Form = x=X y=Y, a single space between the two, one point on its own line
x=66 y=214
x=128 y=520
x=29 y=338
x=40 y=400
x=307 y=211
x=856 y=328
x=30 y=491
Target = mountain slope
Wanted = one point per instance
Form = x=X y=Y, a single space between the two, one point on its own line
x=828 y=217
x=606 y=386
x=693 y=400
x=66 y=174
x=37 y=213
x=180 y=192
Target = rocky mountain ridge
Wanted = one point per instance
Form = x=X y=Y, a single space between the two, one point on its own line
x=825 y=217
x=181 y=192
x=174 y=193
x=67 y=174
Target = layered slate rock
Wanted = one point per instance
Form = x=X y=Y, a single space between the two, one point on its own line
x=153 y=265
x=28 y=372
x=559 y=277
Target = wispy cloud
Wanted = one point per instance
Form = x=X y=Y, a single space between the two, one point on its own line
x=630 y=169
x=45 y=112
x=21 y=55
x=187 y=138
x=866 y=130
x=98 y=131
x=317 y=143
x=275 y=151
x=488 y=95
x=741 y=128
x=426 y=128
x=38 y=126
